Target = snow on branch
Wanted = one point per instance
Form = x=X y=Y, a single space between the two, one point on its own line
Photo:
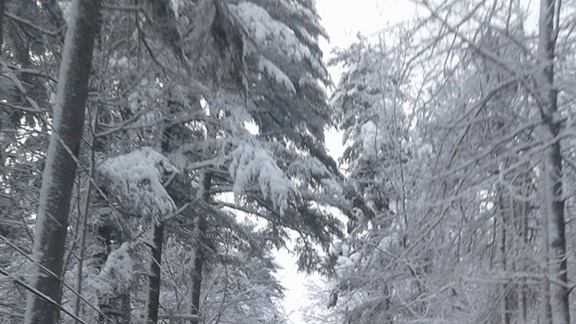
x=254 y=165
x=308 y=167
x=116 y=274
x=275 y=73
x=271 y=34
x=136 y=179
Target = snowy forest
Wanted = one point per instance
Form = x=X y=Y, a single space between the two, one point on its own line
x=155 y=155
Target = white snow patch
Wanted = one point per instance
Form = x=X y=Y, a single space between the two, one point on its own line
x=137 y=178
x=272 y=34
x=176 y=4
x=371 y=138
x=116 y=274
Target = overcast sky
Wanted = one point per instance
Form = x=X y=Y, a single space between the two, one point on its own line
x=343 y=20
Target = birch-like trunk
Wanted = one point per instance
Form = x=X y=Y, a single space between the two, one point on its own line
x=554 y=202
x=60 y=169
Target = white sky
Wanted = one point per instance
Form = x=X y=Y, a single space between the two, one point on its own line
x=343 y=20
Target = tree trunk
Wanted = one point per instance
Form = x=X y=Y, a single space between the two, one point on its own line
x=196 y=273
x=503 y=209
x=155 y=280
x=525 y=288
x=506 y=205
x=60 y=169
x=554 y=202
x=153 y=301
x=2 y=8
x=199 y=256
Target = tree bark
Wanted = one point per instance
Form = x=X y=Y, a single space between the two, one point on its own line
x=503 y=208
x=60 y=169
x=155 y=280
x=554 y=202
x=153 y=301
x=199 y=256
x=506 y=207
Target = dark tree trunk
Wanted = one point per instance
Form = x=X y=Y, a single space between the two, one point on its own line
x=553 y=188
x=153 y=301
x=60 y=169
x=199 y=255
x=170 y=134
x=506 y=211
x=524 y=208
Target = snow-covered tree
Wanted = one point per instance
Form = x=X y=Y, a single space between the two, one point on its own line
x=473 y=245
x=371 y=102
